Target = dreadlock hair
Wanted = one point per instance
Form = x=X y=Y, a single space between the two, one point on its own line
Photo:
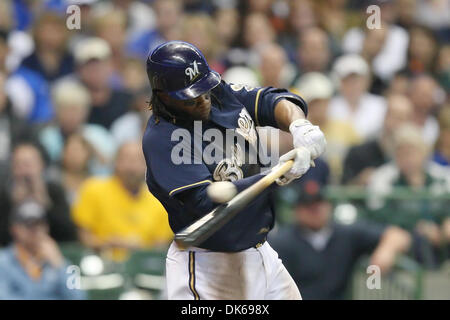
x=160 y=109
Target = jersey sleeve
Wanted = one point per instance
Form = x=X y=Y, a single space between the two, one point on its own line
x=172 y=164
x=261 y=102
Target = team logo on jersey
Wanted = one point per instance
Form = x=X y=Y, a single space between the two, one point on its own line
x=238 y=86
x=229 y=169
x=192 y=72
x=247 y=127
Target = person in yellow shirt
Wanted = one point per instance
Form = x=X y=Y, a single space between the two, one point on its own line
x=118 y=212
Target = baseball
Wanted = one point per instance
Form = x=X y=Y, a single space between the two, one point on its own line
x=222 y=191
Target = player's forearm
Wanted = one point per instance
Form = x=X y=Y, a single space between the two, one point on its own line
x=197 y=201
x=287 y=112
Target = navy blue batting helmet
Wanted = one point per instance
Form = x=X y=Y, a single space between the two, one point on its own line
x=180 y=69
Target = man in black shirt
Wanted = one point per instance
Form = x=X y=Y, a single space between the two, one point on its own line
x=320 y=254
x=362 y=160
x=28 y=183
x=12 y=131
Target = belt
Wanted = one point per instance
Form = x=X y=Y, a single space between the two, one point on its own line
x=256 y=246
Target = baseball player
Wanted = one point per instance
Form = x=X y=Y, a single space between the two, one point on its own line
x=236 y=262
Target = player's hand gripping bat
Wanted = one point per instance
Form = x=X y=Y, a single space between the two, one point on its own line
x=204 y=227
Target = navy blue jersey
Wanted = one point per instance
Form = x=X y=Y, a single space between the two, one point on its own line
x=181 y=186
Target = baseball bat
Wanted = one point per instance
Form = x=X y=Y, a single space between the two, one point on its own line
x=204 y=227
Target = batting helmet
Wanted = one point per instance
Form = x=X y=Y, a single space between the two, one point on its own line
x=180 y=69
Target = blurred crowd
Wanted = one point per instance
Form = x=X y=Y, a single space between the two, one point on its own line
x=74 y=103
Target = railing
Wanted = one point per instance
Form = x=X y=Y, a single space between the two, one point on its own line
x=351 y=205
x=142 y=276
x=139 y=276
x=403 y=282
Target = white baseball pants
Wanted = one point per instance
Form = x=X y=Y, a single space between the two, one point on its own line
x=252 y=274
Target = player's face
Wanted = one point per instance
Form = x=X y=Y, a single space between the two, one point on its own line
x=198 y=108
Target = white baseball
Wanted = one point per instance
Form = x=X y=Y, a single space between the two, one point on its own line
x=221 y=192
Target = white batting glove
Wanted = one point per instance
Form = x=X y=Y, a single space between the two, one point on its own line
x=302 y=163
x=306 y=135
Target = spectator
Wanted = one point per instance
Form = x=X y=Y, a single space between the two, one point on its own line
x=354 y=104
x=28 y=182
x=422 y=51
x=228 y=26
x=334 y=17
x=446 y=234
x=392 y=56
x=87 y=13
x=19 y=41
x=363 y=159
x=372 y=45
x=274 y=68
x=140 y=15
x=6 y=18
x=434 y=14
x=443 y=68
x=12 y=130
x=321 y=254
x=168 y=17
x=313 y=54
x=261 y=6
x=242 y=75
x=50 y=59
x=257 y=31
x=119 y=212
x=75 y=165
x=412 y=170
x=32 y=267
x=301 y=17
x=110 y=25
x=399 y=85
x=4 y=50
x=426 y=96
x=131 y=126
x=134 y=75
x=406 y=13
x=94 y=69
x=72 y=106
x=29 y=87
x=200 y=30
x=317 y=91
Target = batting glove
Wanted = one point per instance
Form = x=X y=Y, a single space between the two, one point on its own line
x=302 y=163
x=306 y=135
